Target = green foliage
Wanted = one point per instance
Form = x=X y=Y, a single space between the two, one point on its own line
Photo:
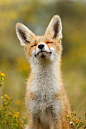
x=75 y=123
x=9 y=119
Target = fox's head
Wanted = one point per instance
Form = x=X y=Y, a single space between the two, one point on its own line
x=42 y=48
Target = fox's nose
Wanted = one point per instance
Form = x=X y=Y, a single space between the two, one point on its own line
x=41 y=46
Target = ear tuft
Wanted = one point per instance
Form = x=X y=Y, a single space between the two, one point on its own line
x=24 y=34
x=54 y=29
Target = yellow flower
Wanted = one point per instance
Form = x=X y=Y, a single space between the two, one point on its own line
x=2 y=74
x=6 y=96
x=15 y=115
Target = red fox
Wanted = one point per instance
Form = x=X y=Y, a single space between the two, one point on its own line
x=46 y=99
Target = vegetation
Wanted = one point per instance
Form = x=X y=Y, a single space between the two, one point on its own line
x=1 y=78
x=9 y=119
x=36 y=15
x=75 y=123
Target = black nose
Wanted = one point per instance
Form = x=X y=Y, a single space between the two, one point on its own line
x=41 y=46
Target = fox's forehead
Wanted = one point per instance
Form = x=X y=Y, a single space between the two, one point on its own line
x=38 y=39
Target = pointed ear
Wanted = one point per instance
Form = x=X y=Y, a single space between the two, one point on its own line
x=24 y=34
x=54 y=29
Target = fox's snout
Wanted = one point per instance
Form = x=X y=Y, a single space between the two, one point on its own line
x=41 y=46
x=42 y=51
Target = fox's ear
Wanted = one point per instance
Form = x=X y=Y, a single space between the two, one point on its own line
x=24 y=34
x=54 y=29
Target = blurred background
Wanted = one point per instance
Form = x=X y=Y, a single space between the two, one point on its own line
x=36 y=15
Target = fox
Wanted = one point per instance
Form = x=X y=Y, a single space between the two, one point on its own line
x=45 y=98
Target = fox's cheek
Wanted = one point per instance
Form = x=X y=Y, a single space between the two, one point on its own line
x=57 y=48
x=30 y=54
x=27 y=50
x=32 y=51
x=52 y=49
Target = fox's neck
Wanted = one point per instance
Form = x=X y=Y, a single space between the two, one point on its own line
x=46 y=76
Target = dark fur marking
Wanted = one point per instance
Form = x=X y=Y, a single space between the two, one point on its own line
x=43 y=56
x=50 y=110
x=23 y=35
x=56 y=29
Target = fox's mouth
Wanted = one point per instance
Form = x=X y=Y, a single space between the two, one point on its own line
x=43 y=53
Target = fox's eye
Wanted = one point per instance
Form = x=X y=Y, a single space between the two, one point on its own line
x=49 y=42
x=33 y=45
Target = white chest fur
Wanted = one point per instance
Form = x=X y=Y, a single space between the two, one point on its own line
x=45 y=86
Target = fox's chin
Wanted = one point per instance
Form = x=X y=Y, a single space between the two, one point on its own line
x=43 y=55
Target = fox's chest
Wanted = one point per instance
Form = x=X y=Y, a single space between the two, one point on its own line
x=45 y=102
